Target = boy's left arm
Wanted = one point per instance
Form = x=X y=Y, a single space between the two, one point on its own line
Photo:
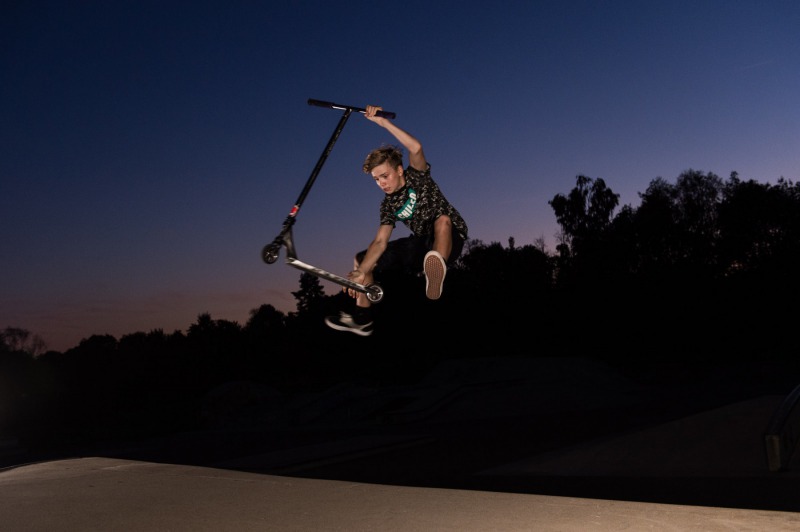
x=416 y=157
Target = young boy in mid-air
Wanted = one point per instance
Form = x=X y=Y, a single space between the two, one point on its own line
x=412 y=197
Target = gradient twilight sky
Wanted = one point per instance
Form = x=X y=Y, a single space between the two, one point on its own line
x=149 y=150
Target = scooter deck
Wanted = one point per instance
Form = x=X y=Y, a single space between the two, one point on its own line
x=373 y=291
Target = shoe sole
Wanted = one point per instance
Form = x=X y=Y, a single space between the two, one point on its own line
x=435 y=271
x=360 y=332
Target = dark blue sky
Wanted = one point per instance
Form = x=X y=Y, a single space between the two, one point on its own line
x=149 y=150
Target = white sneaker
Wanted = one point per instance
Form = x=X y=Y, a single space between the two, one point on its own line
x=435 y=270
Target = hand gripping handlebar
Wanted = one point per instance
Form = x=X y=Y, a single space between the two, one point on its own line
x=330 y=105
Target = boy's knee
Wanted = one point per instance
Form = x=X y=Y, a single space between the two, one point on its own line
x=443 y=222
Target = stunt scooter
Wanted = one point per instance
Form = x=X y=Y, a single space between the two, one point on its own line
x=271 y=251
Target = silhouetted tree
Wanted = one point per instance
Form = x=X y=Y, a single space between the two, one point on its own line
x=759 y=226
x=267 y=343
x=18 y=339
x=310 y=294
x=17 y=374
x=506 y=290
x=216 y=350
x=676 y=226
x=585 y=215
x=759 y=255
x=265 y=322
x=152 y=378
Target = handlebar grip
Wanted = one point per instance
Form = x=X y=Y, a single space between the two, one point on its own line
x=331 y=105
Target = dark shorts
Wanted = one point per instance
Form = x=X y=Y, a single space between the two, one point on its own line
x=405 y=255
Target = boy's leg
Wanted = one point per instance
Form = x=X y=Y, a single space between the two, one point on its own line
x=398 y=257
x=446 y=243
x=359 y=318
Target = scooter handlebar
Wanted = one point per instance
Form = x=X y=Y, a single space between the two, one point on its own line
x=331 y=105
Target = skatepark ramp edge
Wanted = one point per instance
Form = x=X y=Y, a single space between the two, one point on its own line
x=780 y=438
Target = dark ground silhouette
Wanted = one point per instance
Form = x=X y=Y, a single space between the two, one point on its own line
x=683 y=299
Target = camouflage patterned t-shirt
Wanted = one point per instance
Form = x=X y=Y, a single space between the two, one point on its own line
x=418 y=204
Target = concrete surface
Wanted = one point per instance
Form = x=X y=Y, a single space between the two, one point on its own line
x=103 y=494
x=487 y=444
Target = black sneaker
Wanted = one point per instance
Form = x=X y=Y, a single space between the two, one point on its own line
x=345 y=322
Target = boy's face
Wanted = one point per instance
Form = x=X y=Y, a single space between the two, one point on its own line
x=389 y=179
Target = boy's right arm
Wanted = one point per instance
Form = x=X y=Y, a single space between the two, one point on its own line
x=363 y=274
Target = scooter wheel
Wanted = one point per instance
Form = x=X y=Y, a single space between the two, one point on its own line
x=270 y=253
x=374 y=293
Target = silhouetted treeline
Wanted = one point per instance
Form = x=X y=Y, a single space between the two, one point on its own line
x=703 y=271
